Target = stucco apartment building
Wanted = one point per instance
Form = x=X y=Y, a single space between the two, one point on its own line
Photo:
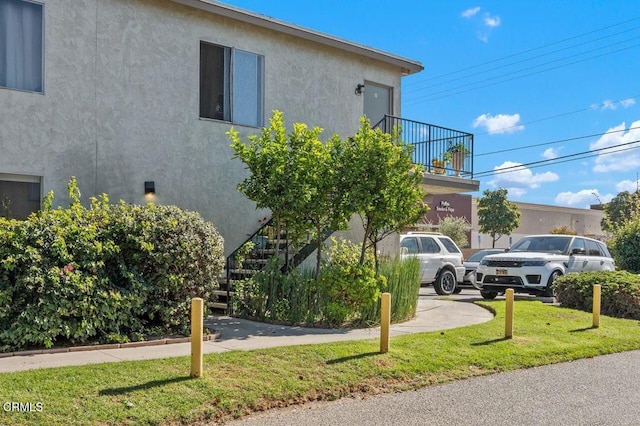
x=134 y=99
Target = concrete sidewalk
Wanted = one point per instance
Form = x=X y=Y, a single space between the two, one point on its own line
x=239 y=334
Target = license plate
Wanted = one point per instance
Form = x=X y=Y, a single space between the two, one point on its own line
x=501 y=272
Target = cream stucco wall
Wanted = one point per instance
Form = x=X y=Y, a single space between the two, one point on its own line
x=541 y=219
x=121 y=105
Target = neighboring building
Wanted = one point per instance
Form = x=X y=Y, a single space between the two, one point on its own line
x=535 y=219
x=541 y=219
x=134 y=99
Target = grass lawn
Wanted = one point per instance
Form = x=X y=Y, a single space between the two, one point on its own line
x=236 y=383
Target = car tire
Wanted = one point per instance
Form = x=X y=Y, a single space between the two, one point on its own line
x=548 y=291
x=458 y=290
x=445 y=284
x=489 y=295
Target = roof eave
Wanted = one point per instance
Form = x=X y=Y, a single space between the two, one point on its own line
x=407 y=66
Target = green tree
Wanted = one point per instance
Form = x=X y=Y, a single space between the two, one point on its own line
x=296 y=177
x=266 y=157
x=497 y=216
x=383 y=184
x=456 y=228
x=620 y=210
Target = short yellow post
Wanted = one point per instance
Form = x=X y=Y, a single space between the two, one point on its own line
x=597 y=289
x=197 y=320
x=385 y=322
x=508 y=320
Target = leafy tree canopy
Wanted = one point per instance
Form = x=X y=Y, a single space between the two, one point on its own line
x=497 y=216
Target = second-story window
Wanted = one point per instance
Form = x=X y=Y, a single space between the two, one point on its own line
x=231 y=85
x=21 y=45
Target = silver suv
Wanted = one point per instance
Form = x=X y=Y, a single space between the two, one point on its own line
x=534 y=262
x=441 y=261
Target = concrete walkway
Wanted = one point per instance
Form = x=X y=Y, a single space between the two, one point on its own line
x=239 y=334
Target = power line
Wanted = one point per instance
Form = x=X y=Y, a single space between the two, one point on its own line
x=521 y=61
x=563 y=114
x=542 y=163
x=555 y=142
x=526 y=51
x=428 y=98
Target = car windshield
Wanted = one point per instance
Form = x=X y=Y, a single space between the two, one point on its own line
x=542 y=244
x=477 y=257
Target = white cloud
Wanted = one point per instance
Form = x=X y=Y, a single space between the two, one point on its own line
x=491 y=21
x=582 y=199
x=625 y=159
x=609 y=104
x=626 y=103
x=628 y=185
x=471 y=12
x=551 y=153
x=500 y=123
x=519 y=178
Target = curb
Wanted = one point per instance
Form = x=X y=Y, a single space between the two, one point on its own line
x=146 y=343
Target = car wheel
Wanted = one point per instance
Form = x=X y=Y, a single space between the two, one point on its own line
x=458 y=290
x=489 y=295
x=548 y=292
x=445 y=284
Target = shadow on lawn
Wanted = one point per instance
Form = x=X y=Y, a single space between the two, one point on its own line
x=349 y=358
x=489 y=342
x=142 y=386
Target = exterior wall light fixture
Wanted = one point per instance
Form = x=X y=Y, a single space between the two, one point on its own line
x=359 y=89
x=149 y=187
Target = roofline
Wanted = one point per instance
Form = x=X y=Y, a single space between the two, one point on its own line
x=407 y=66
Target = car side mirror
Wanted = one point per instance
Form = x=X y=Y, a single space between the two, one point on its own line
x=578 y=250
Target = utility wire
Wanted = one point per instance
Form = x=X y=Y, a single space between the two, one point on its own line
x=428 y=98
x=563 y=114
x=555 y=142
x=555 y=160
x=526 y=51
x=521 y=61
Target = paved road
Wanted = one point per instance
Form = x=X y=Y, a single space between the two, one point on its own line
x=599 y=391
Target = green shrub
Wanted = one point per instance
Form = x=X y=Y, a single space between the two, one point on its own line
x=347 y=285
x=625 y=246
x=106 y=273
x=620 y=294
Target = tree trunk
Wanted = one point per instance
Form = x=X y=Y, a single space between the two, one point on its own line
x=367 y=232
x=319 y=251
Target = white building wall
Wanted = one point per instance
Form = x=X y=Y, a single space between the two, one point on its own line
x=541 y=219
x=121 y=105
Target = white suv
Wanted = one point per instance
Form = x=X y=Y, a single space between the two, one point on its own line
x=534 y=262
x=441 y=261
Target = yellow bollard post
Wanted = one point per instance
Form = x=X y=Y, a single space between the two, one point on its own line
x=597 y=289
x=385 y=322
x=197 y=325
x=508 y=320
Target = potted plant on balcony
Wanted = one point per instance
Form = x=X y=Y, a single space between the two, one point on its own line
x=437 y=166
x=455 y=154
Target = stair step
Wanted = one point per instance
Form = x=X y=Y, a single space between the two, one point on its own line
x=244 y=271
x=218 y=305
x=223 y=293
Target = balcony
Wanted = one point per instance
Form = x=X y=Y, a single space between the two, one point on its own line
x=445 y=154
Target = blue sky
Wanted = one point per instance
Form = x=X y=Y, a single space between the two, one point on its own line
x=563 y=75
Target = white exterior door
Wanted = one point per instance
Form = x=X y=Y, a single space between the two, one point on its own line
x=377 y=102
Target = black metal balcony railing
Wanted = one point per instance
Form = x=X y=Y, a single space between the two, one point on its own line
x=440 y=150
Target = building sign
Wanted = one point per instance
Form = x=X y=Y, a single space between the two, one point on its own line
x=444 y=206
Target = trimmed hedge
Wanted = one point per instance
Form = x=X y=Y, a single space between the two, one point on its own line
x=109 y=273
x=620 y=294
